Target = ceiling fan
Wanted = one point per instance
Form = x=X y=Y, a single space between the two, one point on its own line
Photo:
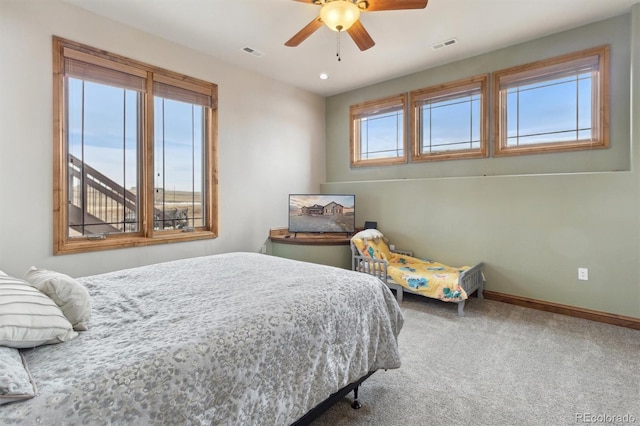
x=343 y=15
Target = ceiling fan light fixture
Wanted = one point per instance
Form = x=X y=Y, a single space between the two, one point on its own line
x=339 y=15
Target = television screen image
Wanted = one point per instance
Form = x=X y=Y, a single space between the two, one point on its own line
x=322 y=213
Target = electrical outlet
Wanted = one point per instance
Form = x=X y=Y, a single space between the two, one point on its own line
x=583 y=274
x=263 y=249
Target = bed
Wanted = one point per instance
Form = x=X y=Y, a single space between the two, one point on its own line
x=403 y=272
x=236 y=338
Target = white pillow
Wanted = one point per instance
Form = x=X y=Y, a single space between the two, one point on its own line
x=71 y=296
x=368 y=234
x=16 y=383
x=29 y=318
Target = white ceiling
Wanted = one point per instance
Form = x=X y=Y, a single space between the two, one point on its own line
x=222 y=28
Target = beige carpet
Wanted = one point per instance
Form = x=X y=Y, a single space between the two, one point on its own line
x=501 y=365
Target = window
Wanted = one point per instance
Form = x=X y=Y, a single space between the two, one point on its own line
x=378 y=132
x=450 y=120
x=134 y=152
x=558 y=104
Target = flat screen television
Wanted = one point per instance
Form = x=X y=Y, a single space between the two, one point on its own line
x=322 y=213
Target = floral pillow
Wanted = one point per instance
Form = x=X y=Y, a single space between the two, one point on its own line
x=373 y=247
x=381 y=248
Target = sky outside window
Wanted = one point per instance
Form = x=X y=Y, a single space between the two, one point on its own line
x=451 y=124
x=178 y=145
x=106 y=135
x=381 y=135
x=103 y=129
x=557 y=110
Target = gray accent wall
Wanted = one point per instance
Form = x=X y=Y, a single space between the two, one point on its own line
x=534 y=219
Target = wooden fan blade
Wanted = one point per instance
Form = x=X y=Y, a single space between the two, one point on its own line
x=360 y=36
x=308 y=1
x=376 y=5
x=304 y=33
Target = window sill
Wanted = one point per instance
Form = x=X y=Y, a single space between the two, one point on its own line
x=548 y=148
x=378 y=162
x=118 y=241
x=449 y=155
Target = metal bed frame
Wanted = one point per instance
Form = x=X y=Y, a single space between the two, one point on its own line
x=471 y=280
x=325 y=405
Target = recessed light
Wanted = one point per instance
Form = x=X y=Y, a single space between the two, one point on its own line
x=324 y=76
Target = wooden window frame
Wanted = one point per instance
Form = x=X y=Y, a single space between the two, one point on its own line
x=462 y=87
x=370 y=108
x=146 y=235
x=537 y=70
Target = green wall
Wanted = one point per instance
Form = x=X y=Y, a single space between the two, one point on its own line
x=532 y=219
x=338 y=256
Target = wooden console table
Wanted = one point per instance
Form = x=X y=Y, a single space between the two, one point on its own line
x=283 y=236
x=327 y=248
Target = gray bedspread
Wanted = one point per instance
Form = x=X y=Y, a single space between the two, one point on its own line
x=237 y=338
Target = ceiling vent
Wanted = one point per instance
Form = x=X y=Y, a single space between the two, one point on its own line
x=252 y=52
x=445 y=43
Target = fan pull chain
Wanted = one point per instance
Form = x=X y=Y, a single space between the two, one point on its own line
x=339 y=27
